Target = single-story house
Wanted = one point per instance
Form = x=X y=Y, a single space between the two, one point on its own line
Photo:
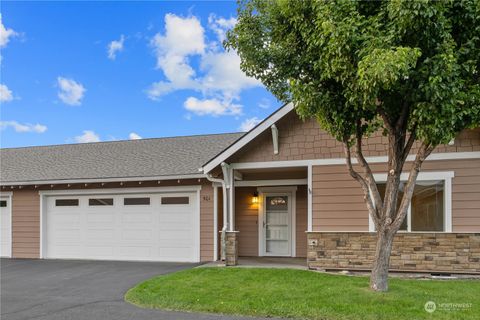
x=281 y=189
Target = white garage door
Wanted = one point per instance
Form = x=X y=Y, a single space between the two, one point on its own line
x=5 y=227
x=154 y=227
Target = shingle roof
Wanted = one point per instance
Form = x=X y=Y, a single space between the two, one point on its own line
x=174 y=156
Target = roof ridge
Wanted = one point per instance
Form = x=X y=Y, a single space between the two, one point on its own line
x=123 y=140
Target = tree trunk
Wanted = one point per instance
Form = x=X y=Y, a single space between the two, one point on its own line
x=381 y=263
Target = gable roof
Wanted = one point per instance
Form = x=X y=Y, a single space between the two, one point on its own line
x=159 y=158
x=245 y=139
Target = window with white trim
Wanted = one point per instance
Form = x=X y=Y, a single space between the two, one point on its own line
x=430 y=207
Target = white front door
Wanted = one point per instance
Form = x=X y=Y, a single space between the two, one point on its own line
x=5 y=227
x=277 y=226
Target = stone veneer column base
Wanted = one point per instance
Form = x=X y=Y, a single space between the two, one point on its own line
x=412 y=252
x=231 y=248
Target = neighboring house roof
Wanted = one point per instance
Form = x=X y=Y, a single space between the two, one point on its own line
x=246 y=138
x=159 y=158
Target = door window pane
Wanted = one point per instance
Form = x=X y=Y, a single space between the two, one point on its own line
x=3 y=203
x=100 y=202
x=66 y=202
x=175 y=200
x=136 y=201
x=277 y=203
x=427 y=206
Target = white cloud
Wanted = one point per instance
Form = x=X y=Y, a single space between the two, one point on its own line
x=134 y=136
x=220 y=25
x=183 y=37
x=5 y=94
x=264 y=103
x=213 y=107
x=218 y=76
x=249 y=124
x=71 y=92
x=114 y=47
x=5 y=34
x=222 y=73
x=23 y=127
x=87 y=136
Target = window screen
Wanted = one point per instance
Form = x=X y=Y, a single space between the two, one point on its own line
x=136 y=201
x=100 y=202
x=66 y=202
x=175 y=200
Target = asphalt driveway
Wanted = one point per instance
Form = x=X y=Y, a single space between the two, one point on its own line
x=65 y=289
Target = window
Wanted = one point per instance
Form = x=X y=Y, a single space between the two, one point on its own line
x=100 y=202
x=175 y=200
x=136 y=201
x=66 y=202
x=3 y=203
x=430 y=207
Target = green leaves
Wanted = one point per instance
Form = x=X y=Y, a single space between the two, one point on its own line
x=344 y=61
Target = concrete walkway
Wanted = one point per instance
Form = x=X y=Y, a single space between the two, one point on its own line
x=265 y=262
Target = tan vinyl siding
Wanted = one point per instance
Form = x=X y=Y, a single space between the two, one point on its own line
x=246 y=221
x=338 y=199
x=26 y=224
x=206 y=222
x=301 y=222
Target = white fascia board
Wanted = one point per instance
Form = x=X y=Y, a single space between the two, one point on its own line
x=248 y=137
x=259 y=183
x=106 y=180
x=172 y=189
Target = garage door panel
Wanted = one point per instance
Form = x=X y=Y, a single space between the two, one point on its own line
x=99 y=234
x=98 y=217
x=66 y=251
x=175 y=254
x=131 y=252
x=66 y=235
x=137 y=217
x=137 y=234
x=99 y=251
x=123 y=232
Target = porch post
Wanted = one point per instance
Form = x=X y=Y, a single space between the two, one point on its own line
x=230 y=235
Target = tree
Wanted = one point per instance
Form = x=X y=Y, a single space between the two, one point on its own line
x=407 y=68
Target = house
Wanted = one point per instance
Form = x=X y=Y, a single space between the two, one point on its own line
x=282 y=189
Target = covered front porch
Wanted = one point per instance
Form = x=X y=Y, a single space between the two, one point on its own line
x=262 y=212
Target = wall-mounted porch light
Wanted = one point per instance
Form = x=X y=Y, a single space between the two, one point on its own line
x=255 y=198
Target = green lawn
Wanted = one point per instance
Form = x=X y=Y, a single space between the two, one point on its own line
x=303 y=294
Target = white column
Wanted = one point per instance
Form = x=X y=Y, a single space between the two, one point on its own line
x=310 y=199
x=231 y=201
x=215 y=223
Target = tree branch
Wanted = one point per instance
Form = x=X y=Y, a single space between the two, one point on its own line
x=385 y=118
x=402 y=119
x=409 y=144
x=366 y=191
x=370 y=180
x=423 y=152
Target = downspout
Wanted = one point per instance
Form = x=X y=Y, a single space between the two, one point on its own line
x=225 y=206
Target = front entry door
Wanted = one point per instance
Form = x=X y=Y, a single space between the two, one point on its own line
x=277 y=224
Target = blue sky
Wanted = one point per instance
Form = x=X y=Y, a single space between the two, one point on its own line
x=99 y=71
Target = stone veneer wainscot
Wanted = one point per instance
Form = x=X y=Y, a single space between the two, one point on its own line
x=417 y=252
